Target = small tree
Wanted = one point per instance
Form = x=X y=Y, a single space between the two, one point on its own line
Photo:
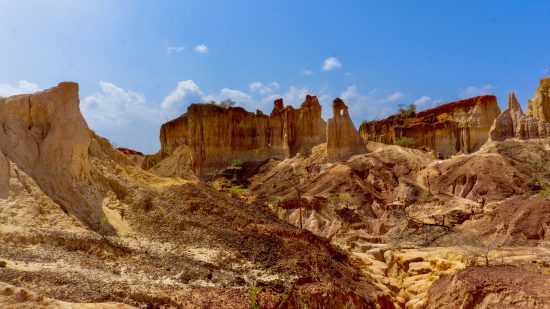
x=227 y=103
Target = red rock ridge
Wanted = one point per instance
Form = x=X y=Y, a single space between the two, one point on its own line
x=460 y=126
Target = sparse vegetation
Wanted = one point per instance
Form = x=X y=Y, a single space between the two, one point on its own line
x=253 y=293
x=338 y=199
x=404 y=141
x=407 y=112
x=237 y=190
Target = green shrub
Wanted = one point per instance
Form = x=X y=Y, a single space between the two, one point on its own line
x=237 y=190
x=405 y=142
x=253 y=293
x=338 y=198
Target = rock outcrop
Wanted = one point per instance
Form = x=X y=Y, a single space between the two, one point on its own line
x=539 y=105
x=343 y=140
x=45 y=135
x=513 y=123
x=451 y=128
x=217 y=135
x=54 y=170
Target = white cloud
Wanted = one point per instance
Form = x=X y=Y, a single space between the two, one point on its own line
x=375 y=104
x=295 y=96
x=183 y=91
x=262 y=89
x=307 y=72
x=239 y=97
x=113 y=107
x=473 y=91
x=22 y=88
x=423 y=100
x=331 y=63
x=124 y=117
x=174 y=49
x=202 y=49
x=396 y=96
x=427 y=102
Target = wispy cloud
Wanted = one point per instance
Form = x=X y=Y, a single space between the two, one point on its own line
x=330 y=64
x=22 y=87
x=396 y=96
x=473 y=91
x=174 y=49
x=263 y=89
x=239 y=97
x=375 y=104
x=202 y=49
x=307 y=72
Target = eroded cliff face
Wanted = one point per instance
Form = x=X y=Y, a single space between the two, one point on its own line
x=46 y=137
x=513 y=123
x=539 y=105
x=343 y=140
x=460 y=126
x=218 y=135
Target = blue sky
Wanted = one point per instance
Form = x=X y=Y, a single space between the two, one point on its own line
x=140 y=63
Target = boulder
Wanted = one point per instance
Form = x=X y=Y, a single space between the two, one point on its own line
x=451 y=128
x=343 y=140
x=513 y=123
x=539 y=105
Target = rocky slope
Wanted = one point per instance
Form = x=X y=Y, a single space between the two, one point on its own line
x=539 y=105
x=491 y=287
x=81 y=223
x=409 y=218
x=448 y=129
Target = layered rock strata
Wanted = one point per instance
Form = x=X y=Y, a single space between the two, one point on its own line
x=539 y=105
x=513 y=123
x=217 y=135
x=451 y=128
x=343 y=140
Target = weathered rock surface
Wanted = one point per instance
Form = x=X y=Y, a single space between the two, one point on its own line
x=513 y=123
x=343 y=140
x=539 y=105
x=491 y=287
x=218 y=135
x=82 y=224
x=45 y=135
x=14 y=297
x=460 y=126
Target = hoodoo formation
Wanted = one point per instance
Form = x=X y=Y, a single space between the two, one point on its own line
x=513 y=123
x=343 y=140
x=324 y=218
x=539 y=105
x=461 y=126
x=217 y=135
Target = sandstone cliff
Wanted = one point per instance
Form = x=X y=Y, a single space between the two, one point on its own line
x=460 y=126
x=343 y=140
x=513 y=123
x=218 y=135
x=116 y=232
x=46 y=137
x=539 y=105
